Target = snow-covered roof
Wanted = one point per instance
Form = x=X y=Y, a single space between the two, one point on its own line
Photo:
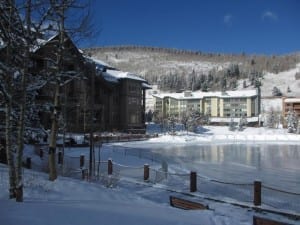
x=112 y=74
x=108 y=77
x=41 y=42
x=146 y=86
x=123 y=75
x=291 y=100
x=100 y=62
x=200 y=95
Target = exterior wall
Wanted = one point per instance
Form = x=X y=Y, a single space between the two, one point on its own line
x=249 y=107
x=221 y=105
x=165 y=107
x=158 y=106
x=207 y=106
x=214 y=107
x=72 y=98
x=193 y=104
x=173 y=107
x=182 y=107
x=109 y=106
x=290 y=104
x=131 y=110
x=235 y=107
x=201 y=105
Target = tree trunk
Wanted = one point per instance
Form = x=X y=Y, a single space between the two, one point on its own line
x=9 y=150
x=21 y=125
x=54 y=128
x=20 y=141
x=19 y=177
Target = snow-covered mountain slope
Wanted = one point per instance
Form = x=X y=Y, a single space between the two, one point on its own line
x=156 y=63
x=146 y=62
x=283 y=81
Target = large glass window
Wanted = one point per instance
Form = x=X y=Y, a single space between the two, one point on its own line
x=235 y=107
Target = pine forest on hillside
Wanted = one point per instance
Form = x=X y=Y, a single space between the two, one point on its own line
x=177 y=70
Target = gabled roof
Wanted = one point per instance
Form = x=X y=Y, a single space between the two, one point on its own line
x=72 y=49
x=42 y=42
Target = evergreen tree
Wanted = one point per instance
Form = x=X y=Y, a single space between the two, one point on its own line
x=172 y=124
x=243 y=122
x=276 y=91
x=292 y=121
x=272 y=120
x=223 y=83
x=231 y=124
x=205 y=87
x=257 y=83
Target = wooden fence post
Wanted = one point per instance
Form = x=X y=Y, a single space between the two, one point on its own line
x=60 y=158
x=41 y=153
x=257 y=193
x=81 y=161
x=110 y=167
x=146 y=172
x=193 y=181
x=28 y=163
x=83 y=173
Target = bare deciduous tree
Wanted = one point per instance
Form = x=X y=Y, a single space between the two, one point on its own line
x=62 y=18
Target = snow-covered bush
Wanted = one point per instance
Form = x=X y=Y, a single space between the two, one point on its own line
x=292 y=122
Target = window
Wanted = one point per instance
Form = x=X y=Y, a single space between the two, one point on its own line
x=115 y=99
x=235 y=107
x=134 y=118
x=133 y=101
x=134 y=88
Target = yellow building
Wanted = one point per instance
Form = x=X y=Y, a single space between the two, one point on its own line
x=219 y=106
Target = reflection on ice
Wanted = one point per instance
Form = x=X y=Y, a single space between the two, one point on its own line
x=276 y=164
x=223 y=171
x=285 y=157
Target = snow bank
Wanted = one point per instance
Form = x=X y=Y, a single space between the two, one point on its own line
x=221 y=134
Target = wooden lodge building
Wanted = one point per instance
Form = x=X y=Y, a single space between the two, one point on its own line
x=93 y=95
x=290 y=104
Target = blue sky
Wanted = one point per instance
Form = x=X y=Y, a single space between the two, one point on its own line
x=225 y=26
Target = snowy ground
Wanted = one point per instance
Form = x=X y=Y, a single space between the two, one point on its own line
x=221 y=134
x=74 y=202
